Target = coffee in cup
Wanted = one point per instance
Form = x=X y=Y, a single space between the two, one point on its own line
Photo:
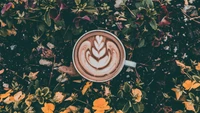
x=99 y=56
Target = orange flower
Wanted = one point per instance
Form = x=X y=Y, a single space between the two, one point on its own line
x=16 y=98
x=86 y=110
x=178 y=92
x=188 y=85
x=100 y=105
x=198 y=66
x=189 y=106
x=183 y=66
x=48 y=108
x=70 y=109
x=137 y=94
x=2 y=96
x=85 y=88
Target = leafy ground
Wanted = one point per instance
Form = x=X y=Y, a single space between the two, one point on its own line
x=38 y=36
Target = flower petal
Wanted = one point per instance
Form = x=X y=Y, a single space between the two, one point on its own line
x=187 y=84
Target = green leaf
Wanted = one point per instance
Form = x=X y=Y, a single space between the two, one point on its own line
x=38 y=92
x=40 y=100
x=45 y=91
x=91 y=3
x=42 y=27
x=136 y=107
x=192 y=96
x=141 y=43
x=141 y=107
x=9 y=23
x=153 y=24
x=77 y=31
x=120 y=94
x=149 y=3
x=90 y=10
x=138 y=4
x=36 y=84
x=47 y=18
x=196 y=78
x=77 y=2
x=3 y=32
x=127 y=87
x=126 y=107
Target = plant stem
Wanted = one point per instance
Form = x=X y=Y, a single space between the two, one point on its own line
x=51 y=75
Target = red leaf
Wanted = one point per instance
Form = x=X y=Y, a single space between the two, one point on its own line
x=86 y=18
x=164 y=22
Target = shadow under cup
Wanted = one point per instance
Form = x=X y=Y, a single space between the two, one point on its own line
x=98 y=56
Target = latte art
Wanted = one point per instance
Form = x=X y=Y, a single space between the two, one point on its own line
x=98 y=56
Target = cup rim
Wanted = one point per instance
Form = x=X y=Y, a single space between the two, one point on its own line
x=123 y=63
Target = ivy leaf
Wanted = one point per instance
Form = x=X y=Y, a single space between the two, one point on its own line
x=196 y=78
x=47 y=18
x=126 y=107
x=40 y=100
x=153 y=24
x=141 y=107
x=45 y=91
x=127 y=87
x=136 y=108
x=141 y=43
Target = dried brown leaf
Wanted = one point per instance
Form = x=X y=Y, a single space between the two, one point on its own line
x=69 y=70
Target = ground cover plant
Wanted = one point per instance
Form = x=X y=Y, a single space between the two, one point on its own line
x=36 y=42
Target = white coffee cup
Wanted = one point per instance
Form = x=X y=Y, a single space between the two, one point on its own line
x=84 y=58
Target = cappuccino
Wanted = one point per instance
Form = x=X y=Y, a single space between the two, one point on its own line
x=98 y=56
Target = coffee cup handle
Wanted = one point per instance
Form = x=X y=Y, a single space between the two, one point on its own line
x=130 y=63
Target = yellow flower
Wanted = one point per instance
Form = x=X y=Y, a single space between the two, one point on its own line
x=28 y=100
x=5 y=95
x=178 y=92
x=189 y=106
x=188 y=85
x=137 y=94
x=198 y=66
x=100 y=105
x=85 y=88
x=58 y=98
x=48 y=108
x=70 y=109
